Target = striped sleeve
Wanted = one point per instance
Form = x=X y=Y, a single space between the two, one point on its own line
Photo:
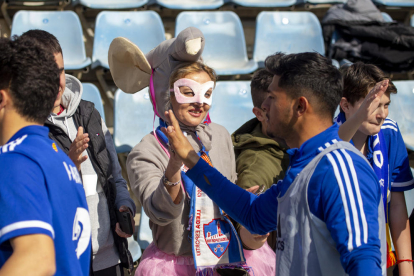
x=24 y=203
x=349 y=195
x=400 y=173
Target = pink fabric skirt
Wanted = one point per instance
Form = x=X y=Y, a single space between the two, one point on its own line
x=154 y=262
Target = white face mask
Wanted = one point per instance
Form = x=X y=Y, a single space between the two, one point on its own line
x=198 y=89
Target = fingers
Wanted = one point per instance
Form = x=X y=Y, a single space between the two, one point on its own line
x=120 y=233
x=123 y=208
x=173 y=121
x=80 y=132
x=253 y=189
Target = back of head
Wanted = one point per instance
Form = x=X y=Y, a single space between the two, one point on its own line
x=310 y=75
x=259 y=86
x=359 y=78
x=45 y=39
x=31 y=76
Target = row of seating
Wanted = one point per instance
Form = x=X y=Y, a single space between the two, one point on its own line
x=289 y=32
x=195 y=4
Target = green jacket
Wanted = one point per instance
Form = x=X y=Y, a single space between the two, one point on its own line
x=259 y=159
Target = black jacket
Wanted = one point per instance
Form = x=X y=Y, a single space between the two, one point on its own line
x=88 y=117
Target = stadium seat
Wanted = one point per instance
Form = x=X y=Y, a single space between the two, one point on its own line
x=401 y=108
x=191 y=4
x=232 y=104
x=144 y=233
x=24 y=4
x=288 y=32
x=395 y=3
x=91 y=93
x=264 y=3
x=225 y=48
x=386 y=17
x=409 y=198
x=412 y=21
x=322 y=2
x=112 y=4
x=144 y=28
x=133 y=117
x=134 y=249
x=65 y=25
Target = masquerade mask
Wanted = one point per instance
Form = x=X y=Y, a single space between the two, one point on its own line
x=199 y=91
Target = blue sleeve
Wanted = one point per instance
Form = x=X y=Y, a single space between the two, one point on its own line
x=400 y=171
x=257 y=214
x=24 y=203
x=344 y=193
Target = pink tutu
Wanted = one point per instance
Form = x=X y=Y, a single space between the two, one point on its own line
x=154 y=262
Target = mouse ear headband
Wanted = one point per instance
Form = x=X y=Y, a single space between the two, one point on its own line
x=130 y=69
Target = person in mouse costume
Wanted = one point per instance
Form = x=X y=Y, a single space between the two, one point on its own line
x=191 y=235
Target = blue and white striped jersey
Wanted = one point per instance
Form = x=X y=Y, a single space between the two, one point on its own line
x=343 y=192
x=401 y=177
x=41 y=192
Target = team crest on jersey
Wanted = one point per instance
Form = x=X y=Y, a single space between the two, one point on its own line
x=81 y=234
x=217 y=236
x=54 y=147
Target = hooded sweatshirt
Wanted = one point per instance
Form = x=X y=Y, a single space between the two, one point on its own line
x=104 y=250
x=259 y=159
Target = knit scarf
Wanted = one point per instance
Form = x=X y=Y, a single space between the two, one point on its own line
x=215 y=241
x=378 y=158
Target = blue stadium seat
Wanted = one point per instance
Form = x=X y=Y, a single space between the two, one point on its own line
x=113 y=4
x=232 y=104
x=144 y=233
x=65 y=25
x=191 y=4
x=91 y=93
x=144 y=28
x=134 y=249
x=318 y=2
x=409 y=198
x=288 y=32
x=264 y=3
x=386 y=17
x=395 y=3
x=225 y=48
x=401 y=108
x=133 y=117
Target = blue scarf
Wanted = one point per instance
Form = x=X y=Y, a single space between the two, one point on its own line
x=215 y=241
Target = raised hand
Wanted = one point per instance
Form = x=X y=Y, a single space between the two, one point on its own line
x=372 y=100
x=178 y=142
x=77 y=147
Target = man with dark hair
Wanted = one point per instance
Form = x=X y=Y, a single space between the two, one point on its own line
x=327 y=209
x=364 y=122
x=77 y=128
x=260 y=161
x=44 y=222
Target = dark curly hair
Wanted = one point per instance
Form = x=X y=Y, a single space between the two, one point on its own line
x=31 y=76
x=311 y=75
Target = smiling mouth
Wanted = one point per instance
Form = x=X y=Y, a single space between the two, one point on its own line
x=195 y=113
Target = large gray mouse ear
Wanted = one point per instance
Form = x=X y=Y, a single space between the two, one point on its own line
x=130 y=69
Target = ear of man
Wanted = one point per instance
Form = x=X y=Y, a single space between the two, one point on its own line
x=259 y=114
x=302 y=106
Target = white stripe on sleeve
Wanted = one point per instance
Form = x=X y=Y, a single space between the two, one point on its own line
x=358 y=193
x=344 y=202
x=27 y=224
x=389 y=126
x=402 y=184
x=351 y=198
